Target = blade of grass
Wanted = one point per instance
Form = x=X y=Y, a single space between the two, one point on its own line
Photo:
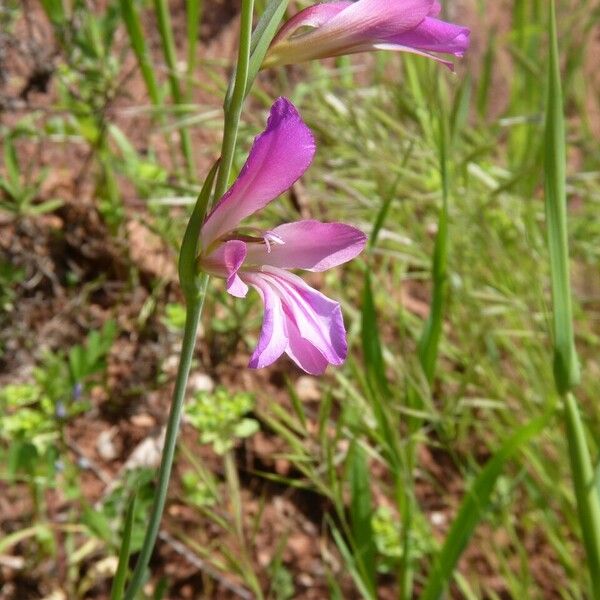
x=263 y=35
x=566 y=365
x=118 y=586
x=135 y=32
x=233 y=109
x=194 y=12
x=168 y=45
x=361 y=510
x=430 y=338
x=473 y=509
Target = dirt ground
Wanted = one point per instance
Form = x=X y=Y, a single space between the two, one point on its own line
x=51 y=313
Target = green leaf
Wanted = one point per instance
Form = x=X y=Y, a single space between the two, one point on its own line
x=432 y=331
x=246 y=428
x=98 y=524
x=371 y=344
x=361 y=513
x=566 y=365
x=263 y=35
x=138 y=44
x=118 y=586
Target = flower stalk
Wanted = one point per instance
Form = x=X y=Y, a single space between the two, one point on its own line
x=194 y=289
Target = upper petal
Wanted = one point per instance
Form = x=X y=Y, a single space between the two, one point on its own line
x=309 y=245
x=313 y=16
x=376 y=19
x=278 y=157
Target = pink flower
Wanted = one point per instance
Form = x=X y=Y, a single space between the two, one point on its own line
x=298 y=320
x=344 y=27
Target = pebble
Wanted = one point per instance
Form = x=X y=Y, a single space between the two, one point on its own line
x=105 y=445
x=201 y=382
x=307 y=388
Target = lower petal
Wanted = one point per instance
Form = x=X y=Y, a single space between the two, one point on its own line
x=273 y=339
x=433 y=35
x=318 y=318
x=303 y=353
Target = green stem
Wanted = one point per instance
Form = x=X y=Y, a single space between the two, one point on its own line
x=194 y=310
x=233 y=111
x=586 y=492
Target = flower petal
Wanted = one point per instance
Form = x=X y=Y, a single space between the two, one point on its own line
x=318 y=318
x=377 y=19
x=309 y=245
x=433 y=35
x=303 y=353
x=313 y=16
x=225 y=262
x=273 y=339
x=278 y=157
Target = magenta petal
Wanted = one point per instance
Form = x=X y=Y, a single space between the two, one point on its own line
x=318 y=319
x=309 y=245
x=433 y=35
x=313 y=16
x=372 y=20
x=436 y=9
x=279 y=156
x=303 y=353
x=225 y=262
x=273 y=339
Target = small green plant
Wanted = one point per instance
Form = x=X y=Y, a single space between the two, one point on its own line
x=20 y=190
x=174 y=317
x=219 y=418
x=196 y=491
x=32 y=415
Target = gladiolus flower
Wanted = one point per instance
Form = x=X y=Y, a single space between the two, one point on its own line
x=344 y=27
x=298 y=320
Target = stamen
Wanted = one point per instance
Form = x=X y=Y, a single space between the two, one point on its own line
x=270 y=238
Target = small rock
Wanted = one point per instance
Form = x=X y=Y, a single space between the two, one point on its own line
x=299 y=544
x=201 y=382
x=305 y=580
x=437 y=518
x=147 y=453
x=307 y=388
x=264 y=558
x=105 y=445
x=170 y=365
x=143 y=420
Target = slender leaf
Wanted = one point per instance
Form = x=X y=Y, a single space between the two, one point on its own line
x=361 y=511
x=566 y=366
x=135 y=32
x=168 y=45
x=118 y=586
x=432 y=331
